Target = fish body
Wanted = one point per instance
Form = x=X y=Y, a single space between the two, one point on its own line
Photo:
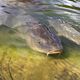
x=39 y=37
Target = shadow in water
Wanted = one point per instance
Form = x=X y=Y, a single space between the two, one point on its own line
x=69 y=48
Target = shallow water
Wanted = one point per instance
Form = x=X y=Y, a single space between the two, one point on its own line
x=19 y=62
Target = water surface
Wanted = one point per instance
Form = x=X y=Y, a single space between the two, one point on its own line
x=19 y=62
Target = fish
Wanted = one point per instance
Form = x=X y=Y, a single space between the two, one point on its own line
x=39 y=37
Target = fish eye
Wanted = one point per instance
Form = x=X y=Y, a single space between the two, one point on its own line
x=39 y=42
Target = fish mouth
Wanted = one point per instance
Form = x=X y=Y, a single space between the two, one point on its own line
x=55 y=52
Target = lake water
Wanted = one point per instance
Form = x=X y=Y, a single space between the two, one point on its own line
x=19 y=62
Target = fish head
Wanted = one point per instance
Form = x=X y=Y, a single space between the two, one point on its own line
x=45 y=41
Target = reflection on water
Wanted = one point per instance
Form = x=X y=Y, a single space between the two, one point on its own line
x=18 y=61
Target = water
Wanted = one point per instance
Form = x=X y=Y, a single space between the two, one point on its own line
x=19 y=62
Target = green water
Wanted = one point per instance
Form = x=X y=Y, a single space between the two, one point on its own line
x=19 y=62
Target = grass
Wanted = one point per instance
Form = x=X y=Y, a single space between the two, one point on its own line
x=19 y=62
